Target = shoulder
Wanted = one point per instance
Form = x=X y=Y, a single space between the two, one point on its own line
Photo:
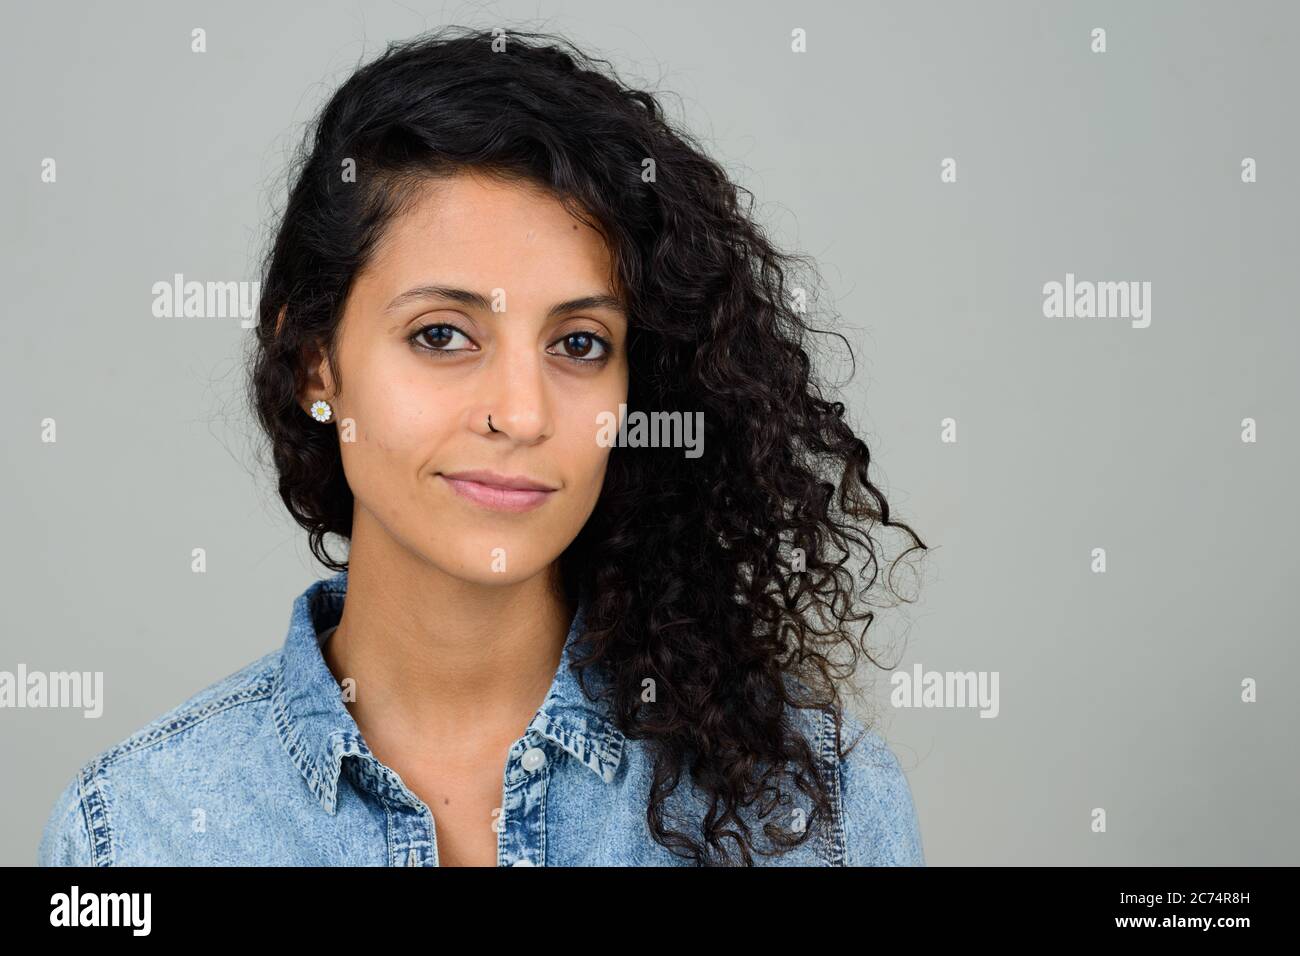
x=135 y=773
x=879 y=817
x=876 y=822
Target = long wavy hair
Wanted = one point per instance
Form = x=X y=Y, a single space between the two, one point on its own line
x=725 y=578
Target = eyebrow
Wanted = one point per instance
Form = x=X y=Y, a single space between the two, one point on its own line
x=478 y=301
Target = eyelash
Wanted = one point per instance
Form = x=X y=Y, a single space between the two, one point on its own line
x=414 y=337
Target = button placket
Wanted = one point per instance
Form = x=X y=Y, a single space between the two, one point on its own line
x=522 y=838
x=409 y=822
x=412 y=829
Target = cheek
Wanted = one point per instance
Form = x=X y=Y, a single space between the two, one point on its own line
x=397 y=421
x=602 y=409
x=586 y=458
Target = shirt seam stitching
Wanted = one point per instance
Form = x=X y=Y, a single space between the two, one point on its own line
x=836 y=840
x=259 y=689
x=99 y=821
x=93 y=795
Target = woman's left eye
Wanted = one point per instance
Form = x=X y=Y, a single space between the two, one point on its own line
x=583 y=342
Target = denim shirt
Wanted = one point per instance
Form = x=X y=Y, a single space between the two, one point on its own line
x=268 y=768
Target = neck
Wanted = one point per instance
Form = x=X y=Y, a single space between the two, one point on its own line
x=435 y=657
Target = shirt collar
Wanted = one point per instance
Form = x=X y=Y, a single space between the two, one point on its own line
x=317 y=730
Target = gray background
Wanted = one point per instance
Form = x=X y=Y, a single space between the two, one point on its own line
x=1119 y=690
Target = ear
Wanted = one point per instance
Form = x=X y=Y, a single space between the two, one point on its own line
x=318 y=382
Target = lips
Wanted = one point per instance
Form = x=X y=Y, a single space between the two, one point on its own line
x=515 y=482
x=499 y=492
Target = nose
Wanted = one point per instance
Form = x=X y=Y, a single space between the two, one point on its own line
x=515 y=393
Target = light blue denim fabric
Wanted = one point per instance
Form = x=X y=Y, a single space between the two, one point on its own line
x=267 y=767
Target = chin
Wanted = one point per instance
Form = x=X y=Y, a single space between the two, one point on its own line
x=479 y=561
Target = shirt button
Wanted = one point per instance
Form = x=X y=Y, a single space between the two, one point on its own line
x=534 y=759
x=522 y=861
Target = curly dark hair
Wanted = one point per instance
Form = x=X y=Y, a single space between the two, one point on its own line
x=691 y=564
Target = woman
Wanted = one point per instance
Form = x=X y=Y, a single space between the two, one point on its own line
x=495 y=265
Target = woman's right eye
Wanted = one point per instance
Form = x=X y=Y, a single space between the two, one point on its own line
x=433 y=338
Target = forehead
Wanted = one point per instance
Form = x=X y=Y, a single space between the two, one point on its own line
x=481 y=232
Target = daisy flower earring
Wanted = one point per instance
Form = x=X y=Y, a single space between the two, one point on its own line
x=321 y=411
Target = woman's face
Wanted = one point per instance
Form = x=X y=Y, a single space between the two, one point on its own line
x=422 y=370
